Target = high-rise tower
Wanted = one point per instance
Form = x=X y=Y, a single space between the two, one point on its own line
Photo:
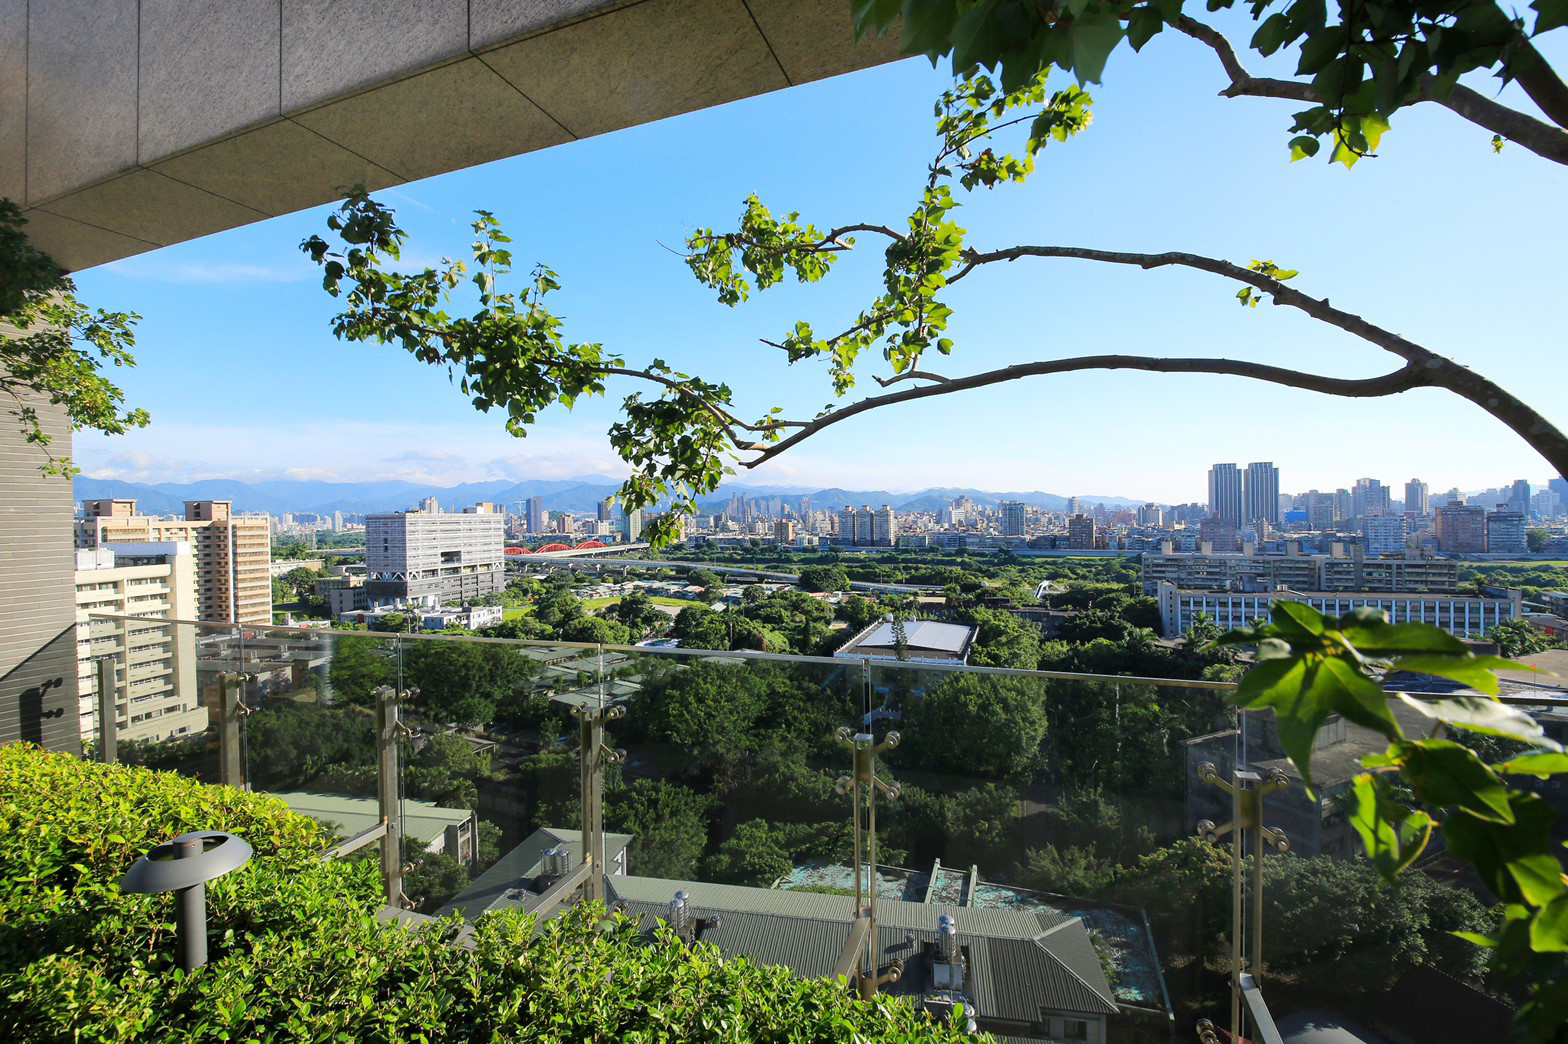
x=1225 y=493
x=1262 y=492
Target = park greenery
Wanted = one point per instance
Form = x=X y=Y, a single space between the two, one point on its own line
x=296 y=952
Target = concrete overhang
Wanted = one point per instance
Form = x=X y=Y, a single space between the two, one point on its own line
x=126 y=125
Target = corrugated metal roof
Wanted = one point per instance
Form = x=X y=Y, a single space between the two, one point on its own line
x=423 y=821
x=505 y=886
x=1010 y=924
x=1015 y=969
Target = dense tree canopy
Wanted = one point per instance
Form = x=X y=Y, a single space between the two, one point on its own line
x=975 y=725
x=1356 y=64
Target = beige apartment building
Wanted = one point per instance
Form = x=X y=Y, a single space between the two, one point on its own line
x=155 y=663
x=232 y=553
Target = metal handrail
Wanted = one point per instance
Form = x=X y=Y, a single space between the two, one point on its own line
x=275 y=631
x=1264 y=1030
x=358 y=841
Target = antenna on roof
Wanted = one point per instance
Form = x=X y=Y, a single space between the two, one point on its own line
x=862 y=785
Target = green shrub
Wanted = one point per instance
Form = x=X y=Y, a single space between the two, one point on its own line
x=296 y=953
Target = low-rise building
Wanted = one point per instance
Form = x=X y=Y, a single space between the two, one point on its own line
x=1456 y=614
x=432 y=828
x=924 y=641
x=1343 y=569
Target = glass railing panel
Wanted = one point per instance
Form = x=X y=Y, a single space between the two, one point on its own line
x=160 y=712
x=731 y=760
x=491 y=780
x=1031 y=800
x=309 y=726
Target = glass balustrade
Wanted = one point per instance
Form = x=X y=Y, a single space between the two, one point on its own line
x=1051 y=851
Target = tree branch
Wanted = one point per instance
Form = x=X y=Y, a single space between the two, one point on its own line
x=1539 y=137
x=1317 y=308
x=1525 y=130
x=1423 y=368
x=910 y=375
x=1541 y=82
x=1399 y=380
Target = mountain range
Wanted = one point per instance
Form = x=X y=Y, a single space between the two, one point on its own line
x=577 y=495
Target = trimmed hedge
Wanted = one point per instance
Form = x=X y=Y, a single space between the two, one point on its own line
x=296 y=953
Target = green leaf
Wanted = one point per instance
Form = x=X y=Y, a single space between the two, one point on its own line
x=1514 y=860
x=1446 y=774
x=1091 y=41
x=1142 y=25
x=1466 y=669
x=1358 y=697
x=1541 y=765
x=1371 y=633
x=1549 y=927
x=1303 y=146
x=1297 y=618
x=1549 y=15
x=1482 y=715
x=1393 y=835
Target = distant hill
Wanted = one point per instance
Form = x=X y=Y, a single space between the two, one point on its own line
x=579 y=495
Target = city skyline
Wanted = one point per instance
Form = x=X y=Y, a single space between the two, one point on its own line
x=465 y=492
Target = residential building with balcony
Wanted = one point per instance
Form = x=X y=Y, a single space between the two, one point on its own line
x=154 y=663
x=232 y=552
x=1461 y=528
x=1384 y=534
x=1080 y=533
x=1014 y=516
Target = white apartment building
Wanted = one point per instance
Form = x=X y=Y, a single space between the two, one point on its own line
x=232 y=553
x=1385 y=534
x=1456 y=614
x=434 y=559
x=155 y=663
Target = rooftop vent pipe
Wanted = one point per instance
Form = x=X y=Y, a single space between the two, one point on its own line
x=680 y=916
x=947 y=934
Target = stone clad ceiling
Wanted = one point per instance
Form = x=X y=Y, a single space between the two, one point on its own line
x=126 y=125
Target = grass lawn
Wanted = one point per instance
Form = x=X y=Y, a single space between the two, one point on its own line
x=591 y=604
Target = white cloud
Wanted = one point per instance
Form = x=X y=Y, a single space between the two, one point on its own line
x=208 y=272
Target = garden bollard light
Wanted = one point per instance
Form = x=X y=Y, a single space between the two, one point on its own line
x=183 y=866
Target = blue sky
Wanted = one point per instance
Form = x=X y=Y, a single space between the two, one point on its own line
x=1437 y=238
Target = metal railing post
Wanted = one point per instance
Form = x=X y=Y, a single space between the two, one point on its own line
x=1247 y=790
x=592 y=757
x=389 y=728
x=108 y=715
x=231 y=764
